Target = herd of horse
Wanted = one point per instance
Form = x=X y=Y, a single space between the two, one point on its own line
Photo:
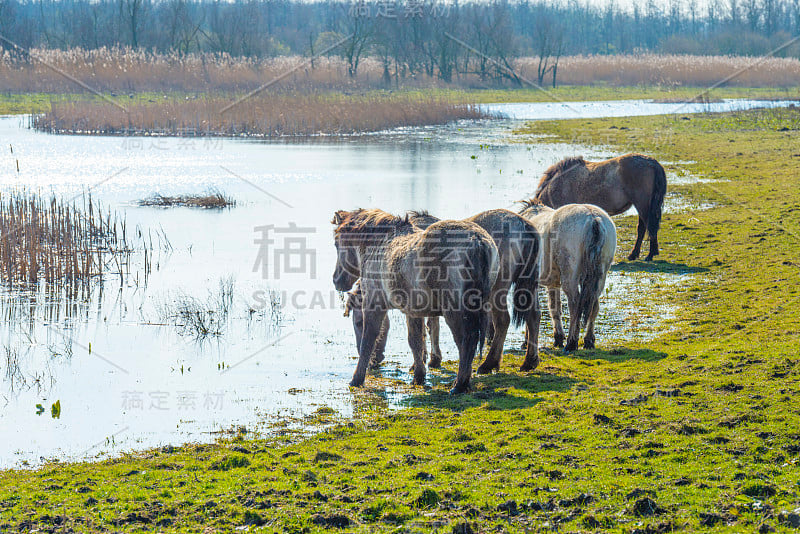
x=562 y=239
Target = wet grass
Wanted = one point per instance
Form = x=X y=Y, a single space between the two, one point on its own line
x=697 y=429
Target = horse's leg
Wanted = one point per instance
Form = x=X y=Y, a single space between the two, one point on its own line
x=532 y=322
x=588 y=340
x=640 y=230
x=554 y=303
x=573 y=301
x=500 y=320
x=424 y=350
x=380 y=344
x=653 y=245
x=436 y=352
x=465 y=334
x=490 y=334
x=372 y=328
x=416 y=340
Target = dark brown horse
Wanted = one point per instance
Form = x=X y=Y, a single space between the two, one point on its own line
x=615 y=185
x=448 y=269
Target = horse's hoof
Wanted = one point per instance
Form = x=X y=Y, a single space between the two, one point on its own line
x=632 y=257
x=418 y=380
x=459 y=389
x=486 y=369
x=356 y=383
x=649 y=258
x=436 y=363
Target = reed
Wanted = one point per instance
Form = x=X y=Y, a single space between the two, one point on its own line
x=52 y=241
x=263 y=115
x=125 y=72
x=672 y=70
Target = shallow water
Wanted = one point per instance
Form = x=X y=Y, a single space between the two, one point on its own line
x=128 y=378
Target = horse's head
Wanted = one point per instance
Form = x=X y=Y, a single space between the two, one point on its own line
x=347 y=269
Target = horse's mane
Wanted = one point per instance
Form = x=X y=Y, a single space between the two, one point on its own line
x=530 y=203
x=413 y=214
x=421 y=219
x=368 y=222
x=562 y=166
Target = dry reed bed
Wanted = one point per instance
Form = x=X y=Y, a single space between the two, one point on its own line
x=126 y=70
x=264 y=115
x=674 y=70
x=52 y=241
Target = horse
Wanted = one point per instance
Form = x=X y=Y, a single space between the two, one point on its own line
x=578 y=244
x=353 y=306
x=518 y=246
x=615 y=185
x=447 y=269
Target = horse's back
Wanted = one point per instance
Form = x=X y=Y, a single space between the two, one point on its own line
x=439 y=263
x=572 y=229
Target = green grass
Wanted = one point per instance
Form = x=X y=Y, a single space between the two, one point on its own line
x=40 y=102
x=698 y=429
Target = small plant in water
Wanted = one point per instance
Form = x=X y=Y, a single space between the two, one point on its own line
x=211 y=200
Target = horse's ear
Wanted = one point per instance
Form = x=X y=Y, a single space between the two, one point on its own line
x=338 y=217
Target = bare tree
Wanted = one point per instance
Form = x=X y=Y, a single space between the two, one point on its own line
x=549 y=41
x=359 y=25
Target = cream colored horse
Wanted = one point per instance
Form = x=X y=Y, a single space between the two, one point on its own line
x=578 y=244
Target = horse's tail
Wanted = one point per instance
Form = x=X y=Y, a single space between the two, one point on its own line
x=526 y=277
x=656 y=199
x=591 y=270
x=477 y=294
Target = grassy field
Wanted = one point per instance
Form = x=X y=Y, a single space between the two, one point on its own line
x=698 y=429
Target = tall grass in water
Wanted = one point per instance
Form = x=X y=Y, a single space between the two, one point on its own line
x=264 y=115
x=52 y=241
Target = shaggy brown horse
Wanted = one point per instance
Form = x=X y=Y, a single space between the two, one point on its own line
x=518 y=244
x=615 y=185
x=578 y=243
x=447 y=269
x=422 y=220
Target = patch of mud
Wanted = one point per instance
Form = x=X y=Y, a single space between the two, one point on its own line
x=676 y=203
x=624 y=314
x=684 y=177
x=625 y=311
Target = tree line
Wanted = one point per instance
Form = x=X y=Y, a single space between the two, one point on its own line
x=410 y=37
